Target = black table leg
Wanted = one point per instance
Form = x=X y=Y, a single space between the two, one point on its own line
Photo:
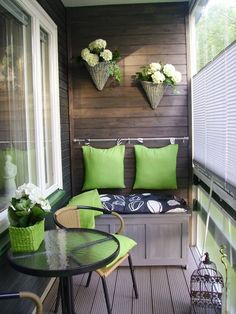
x=67 y=300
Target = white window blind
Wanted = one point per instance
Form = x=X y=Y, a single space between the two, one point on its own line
x=214 y=116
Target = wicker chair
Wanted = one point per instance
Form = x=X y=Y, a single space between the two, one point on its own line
x=24 y=295
x=68 y=217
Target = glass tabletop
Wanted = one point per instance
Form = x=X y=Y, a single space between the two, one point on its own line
x=66 y=252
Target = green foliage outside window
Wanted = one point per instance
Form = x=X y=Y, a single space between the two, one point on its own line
x=214 y=29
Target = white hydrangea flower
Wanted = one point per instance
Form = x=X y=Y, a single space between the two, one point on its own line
x=24 y=189
x=35 y=196
x=158 y=77
x=155 y=66
x=20 y=191
x=98 y=44
x=169 y=70
x=45 y=205
x=85 y=54
x=106 y=54
x=93 y=59
x=177 y=77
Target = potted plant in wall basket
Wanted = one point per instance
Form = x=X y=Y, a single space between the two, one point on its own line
x=101 y=62
x=155 y=77
x=26 y=215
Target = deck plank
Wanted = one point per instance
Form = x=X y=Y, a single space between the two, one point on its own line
x=162 y=290
x=48 y=304
x=122 y=302
x=85 y=295
x=179 y=291
x=144 y=302
x=191 y=267
x=99 y=304
x=162 y=302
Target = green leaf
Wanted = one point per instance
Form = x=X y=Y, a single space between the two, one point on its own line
x=115 y=71
x=116 y=56
x=24 y=221
x=22 y=213
x=13 y=218
x=38 y=213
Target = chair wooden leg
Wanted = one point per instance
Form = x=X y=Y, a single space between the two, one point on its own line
x=133 y=277
x=89 y=279
x=58 y=298
x=106 y=295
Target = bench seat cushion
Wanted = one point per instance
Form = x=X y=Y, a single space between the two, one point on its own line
x=144 y=203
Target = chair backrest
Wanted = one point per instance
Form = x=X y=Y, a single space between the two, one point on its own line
x=24 y=295
x=67 y=217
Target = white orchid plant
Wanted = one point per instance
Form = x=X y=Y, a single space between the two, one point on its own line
x=158 y=73
x=97 y=52
x=28 y=206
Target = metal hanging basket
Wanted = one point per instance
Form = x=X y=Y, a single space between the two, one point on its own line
x=154 y=93
x=99 y=74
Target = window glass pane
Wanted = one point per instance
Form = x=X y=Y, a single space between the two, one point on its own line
x=47 y=123
x=214 y=28
x=221 y=231
x=17 y=139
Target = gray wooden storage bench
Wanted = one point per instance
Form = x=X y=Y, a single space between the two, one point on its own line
x=162 y=237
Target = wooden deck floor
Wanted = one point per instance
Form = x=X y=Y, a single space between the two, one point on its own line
x=162 y=290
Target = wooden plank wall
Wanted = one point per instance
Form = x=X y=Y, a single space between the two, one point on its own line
x=143 y=33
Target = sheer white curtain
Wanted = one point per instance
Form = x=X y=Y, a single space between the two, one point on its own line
x=17 y=139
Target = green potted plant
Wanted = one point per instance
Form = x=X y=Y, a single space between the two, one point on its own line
x=26 y=214
x=155 y=77
x=101 y=62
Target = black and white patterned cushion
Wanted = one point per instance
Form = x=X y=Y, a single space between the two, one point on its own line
x=145 y=203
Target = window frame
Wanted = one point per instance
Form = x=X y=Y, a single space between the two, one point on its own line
x=40 y=19
x=222 y=189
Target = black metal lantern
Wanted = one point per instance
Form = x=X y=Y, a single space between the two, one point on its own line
x=206 y=285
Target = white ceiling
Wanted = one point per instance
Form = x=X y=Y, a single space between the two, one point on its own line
x=83 y=3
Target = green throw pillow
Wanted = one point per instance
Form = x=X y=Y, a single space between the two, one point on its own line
x=104 y=168
x=126 y=244
x=156 y=167
x=90 y=198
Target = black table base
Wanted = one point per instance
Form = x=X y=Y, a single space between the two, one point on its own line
x=66 y=292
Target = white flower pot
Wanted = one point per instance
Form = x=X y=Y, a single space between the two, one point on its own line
x=154 y=93
x=99 y=74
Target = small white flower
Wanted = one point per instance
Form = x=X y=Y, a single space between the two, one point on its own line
x=45 y=205
x=158 y=77
x=19 y=193
x=155 y=67
x=24 y=189
x=106 y=54
x=98 y=44
x=85 y=54
x=177 y=77
x=169 y=70
x=35 y=196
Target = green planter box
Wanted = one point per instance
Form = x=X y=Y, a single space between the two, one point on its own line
x=26 y=239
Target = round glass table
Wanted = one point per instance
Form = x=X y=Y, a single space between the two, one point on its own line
x=67 y=252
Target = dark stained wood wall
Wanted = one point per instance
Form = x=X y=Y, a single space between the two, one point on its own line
x=143 y=33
